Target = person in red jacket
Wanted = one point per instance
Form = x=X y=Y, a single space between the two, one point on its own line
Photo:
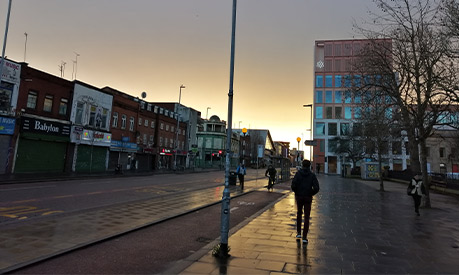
x=305 y=185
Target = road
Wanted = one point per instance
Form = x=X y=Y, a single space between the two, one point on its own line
x=45 y=219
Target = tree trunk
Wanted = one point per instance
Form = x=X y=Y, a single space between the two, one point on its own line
x=381 y=181
x=425 y=176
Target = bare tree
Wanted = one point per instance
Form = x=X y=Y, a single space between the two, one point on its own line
x=418 y=70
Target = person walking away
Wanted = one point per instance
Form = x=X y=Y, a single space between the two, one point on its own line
x=271 y=173
x=305 y=185
x=417 y=190
x=241 y=171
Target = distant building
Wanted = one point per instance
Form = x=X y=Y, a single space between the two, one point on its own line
x=211 y=136
x=335 y=110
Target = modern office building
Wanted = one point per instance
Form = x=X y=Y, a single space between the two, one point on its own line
x=335 y=109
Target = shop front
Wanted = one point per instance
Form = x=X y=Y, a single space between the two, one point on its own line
x=7 y=125
x=123 y=153
x=42 y=145
x=91 y=153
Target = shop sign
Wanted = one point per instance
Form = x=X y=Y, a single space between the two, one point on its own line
x=11 y=72
x=124 y=145
x=46 y=127
x=90 y=137
x=7 y=125
x=166 y=152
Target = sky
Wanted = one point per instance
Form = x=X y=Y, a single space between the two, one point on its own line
x=154 y=46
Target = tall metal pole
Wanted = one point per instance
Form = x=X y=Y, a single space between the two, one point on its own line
x=177 y=130
x=2 y=63
x=225 y=214
x=310 y=126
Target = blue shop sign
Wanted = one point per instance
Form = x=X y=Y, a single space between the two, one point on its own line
x=124 y=145
x=7 y=125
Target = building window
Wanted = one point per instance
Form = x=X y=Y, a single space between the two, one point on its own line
x=167 y=127
x=32 y=100
x=152 y=124
x=338 y=97
x=329 y=112
x=160 y=141
x=115 y=119
x=338 y=81
x=48 y=104
x=344 y=131
x=161 y=126
x=320 y=129
x=319 y=81
x=172 y=129
x=332 y=129
x=338 y=112
x=347 y=97
x=63 y=106
x=145 y=139
x=319 y=112
x=347 y=112
x=328 y=97
x=131 y=124
x=145 y=123
x=329 y=81
x=396 y=148
x=357 y=112
x=156 y=109
x=172 y=143
x=442 y=152
x=166 y=142
x=183 y=131
x=319 y=96
x=123 y=122
x=140 y=121
x=151 y=139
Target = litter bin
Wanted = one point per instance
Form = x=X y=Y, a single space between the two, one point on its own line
x=232 y=178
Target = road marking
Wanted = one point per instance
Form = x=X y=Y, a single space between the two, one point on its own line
x=233 y=209
x=61 y=197
x=22 y=212
x=26 y=188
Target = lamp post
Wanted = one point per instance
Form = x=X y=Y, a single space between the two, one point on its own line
x=225 y=213
x=207 y=112
x=310 y=127
x=298 y=151
x=177 y=130
x=4 y=40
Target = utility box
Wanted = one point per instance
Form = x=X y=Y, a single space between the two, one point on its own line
x=369 y=171
x=232 y=178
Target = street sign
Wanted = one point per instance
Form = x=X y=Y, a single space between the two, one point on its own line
x=310 y=142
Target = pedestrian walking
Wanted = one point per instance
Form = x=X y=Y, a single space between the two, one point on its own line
x=271 y=173
x=416 y=189
x=241 y=171
x=305 y=185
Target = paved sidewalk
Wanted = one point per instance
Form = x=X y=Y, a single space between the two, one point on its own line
x=355 y=229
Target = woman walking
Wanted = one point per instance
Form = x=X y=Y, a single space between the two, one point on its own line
x=417 y=190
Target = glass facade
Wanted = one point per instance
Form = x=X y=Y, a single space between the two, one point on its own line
x=338 y=81
x=347 y=112
x=319 y=96
x=320 y=129
x=328 y=96
x=319 y=112
x=328 y=81
x=338 y=97
x=319 y=81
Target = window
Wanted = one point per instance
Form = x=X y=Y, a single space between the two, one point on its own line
x=338 y=112
x=172 y=129
x=338 y=97
x=332 y=129
x=32 y=100
x=149 y=107
x=115 y=119
x=332 y=144
x=166 y=142
x=152 y=124
x=357 y=112
x=319 y=81
x=347 y=112
x=347 y=81
x=172 y=142
x=131 y=124
x=357 y=98
x=344 y=131
x=151 y=139
x=347 y=97
x=146 y=123
x=156 y=109
x=123 y=122
x=48 y=104
x=320 y=129
x=329 y=81
x=319 y=96
x=329 y=112
x=183 y=131
x=140 y=121
x=160 y=141
x=442 y=152
x=338 y=81
x=161 y=126
x=63 y=106
x=167 y=127
x=79 y=113
x=328 y=97
x=319 y=112
x=144 y=139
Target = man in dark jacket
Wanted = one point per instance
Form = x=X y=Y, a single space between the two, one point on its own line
x=305 y=185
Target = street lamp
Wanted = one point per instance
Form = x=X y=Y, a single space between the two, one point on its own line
x=207 y=112
x=244 y=131
x=298 y=150
x=177 y=130
x=225 y=212
x=310 y=127
x=4 y=40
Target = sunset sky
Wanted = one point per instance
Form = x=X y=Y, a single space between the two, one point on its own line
x=157 y=45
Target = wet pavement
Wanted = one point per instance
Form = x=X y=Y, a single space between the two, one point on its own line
x=354 y=229
x=24 y=243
